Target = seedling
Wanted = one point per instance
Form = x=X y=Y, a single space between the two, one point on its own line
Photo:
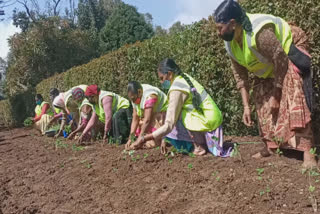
x=145 y=155
x=192 y=155
x=190 y=166
x=76 y=148
x=170 y=160
x=60 y=144
x=86 y=164
x=260 y=171
x=236 y=152
x=28 y=122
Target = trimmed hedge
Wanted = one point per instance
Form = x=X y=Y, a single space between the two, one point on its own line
x=199 y=52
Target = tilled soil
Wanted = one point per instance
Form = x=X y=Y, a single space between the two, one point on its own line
x=41 y=175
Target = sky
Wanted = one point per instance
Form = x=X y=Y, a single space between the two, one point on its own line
x=164 y=13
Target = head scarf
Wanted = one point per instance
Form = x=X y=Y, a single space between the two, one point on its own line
x=91 y=90
x=59 y=101
x=77 y=94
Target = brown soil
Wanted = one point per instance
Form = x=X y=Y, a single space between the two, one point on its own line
x=39 y=175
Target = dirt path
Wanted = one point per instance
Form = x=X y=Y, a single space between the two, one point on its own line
x=40 y=175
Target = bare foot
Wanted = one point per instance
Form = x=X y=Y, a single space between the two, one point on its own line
x=199 y=151
x=309 y=160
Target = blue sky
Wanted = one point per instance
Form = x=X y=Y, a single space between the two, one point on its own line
x=164 y=13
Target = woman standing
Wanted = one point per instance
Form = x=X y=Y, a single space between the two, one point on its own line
x=275 y=53
x=191 y=112
x=149 y=107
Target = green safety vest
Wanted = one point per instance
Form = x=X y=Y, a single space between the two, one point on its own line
x=68 y=95
x=193 y=120
x=161 y=104
x=38 y=109
x=248 y=56
x=118 y=103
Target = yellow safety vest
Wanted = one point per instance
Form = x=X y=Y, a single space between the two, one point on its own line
x=38 y=109
x=248 y=56
x=193 y=120
x=118 y=102
x=161 y=104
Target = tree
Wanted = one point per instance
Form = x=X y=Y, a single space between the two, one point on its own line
x=52 y=46
x=124 y=26
x=159 y=31
x=92 y=14
x=176 y=28
x=3 y=69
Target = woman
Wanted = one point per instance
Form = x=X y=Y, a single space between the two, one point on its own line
x=43 y=114
x=276 y=53
x=149 y=107
x=85 y=109
x=191 y=112
x=110 y=109
x=68 y=106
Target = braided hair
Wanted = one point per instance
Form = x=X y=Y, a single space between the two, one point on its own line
x=230 y=9
x=167 y=65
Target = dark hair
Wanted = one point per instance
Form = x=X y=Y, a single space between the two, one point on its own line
x=134 y=86
x=167 y=65
x=230 y=9
x=54 y=92
x=39 y=97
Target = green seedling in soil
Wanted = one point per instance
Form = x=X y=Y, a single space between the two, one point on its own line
x=191 y=155
x=145 y=155
x=313 y=151
x=60 y=144
x=260 y=171
x=215 y=174
x=218 y=178
x=311 y=188
x=170 y=160
x=267 y=190
x=157 y=148
x=28 y=122
x=61 y=165
x=86 y=164
x=114 y=169
x=190 y=166
x=76 y=148
x=236 y=152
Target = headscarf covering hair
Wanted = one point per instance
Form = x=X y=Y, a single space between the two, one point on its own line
x=92 y=90
x=230 y=9
x=59 y=101
x=77 y=94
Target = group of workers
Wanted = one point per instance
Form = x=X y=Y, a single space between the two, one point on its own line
x=187 y=117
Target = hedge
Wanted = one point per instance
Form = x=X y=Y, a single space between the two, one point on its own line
x=199 y=52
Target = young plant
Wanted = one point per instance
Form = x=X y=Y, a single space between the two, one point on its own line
x=190 y=166
x=28 y=122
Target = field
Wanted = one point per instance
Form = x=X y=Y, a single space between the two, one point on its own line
x=41 y=175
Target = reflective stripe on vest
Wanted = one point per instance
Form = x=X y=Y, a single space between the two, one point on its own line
x=251 y=58
x=161 y=104
x=209 y=119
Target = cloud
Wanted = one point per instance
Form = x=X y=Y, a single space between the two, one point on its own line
x=194 y=10
x=7 y=30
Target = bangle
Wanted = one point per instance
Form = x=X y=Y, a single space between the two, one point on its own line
x=246 y=107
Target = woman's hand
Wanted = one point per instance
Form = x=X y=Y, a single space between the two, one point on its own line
x=128 y=144
x=246 y=117
x=163 y=147
x=71 y=135
x=137 y=144
x=105 y=137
